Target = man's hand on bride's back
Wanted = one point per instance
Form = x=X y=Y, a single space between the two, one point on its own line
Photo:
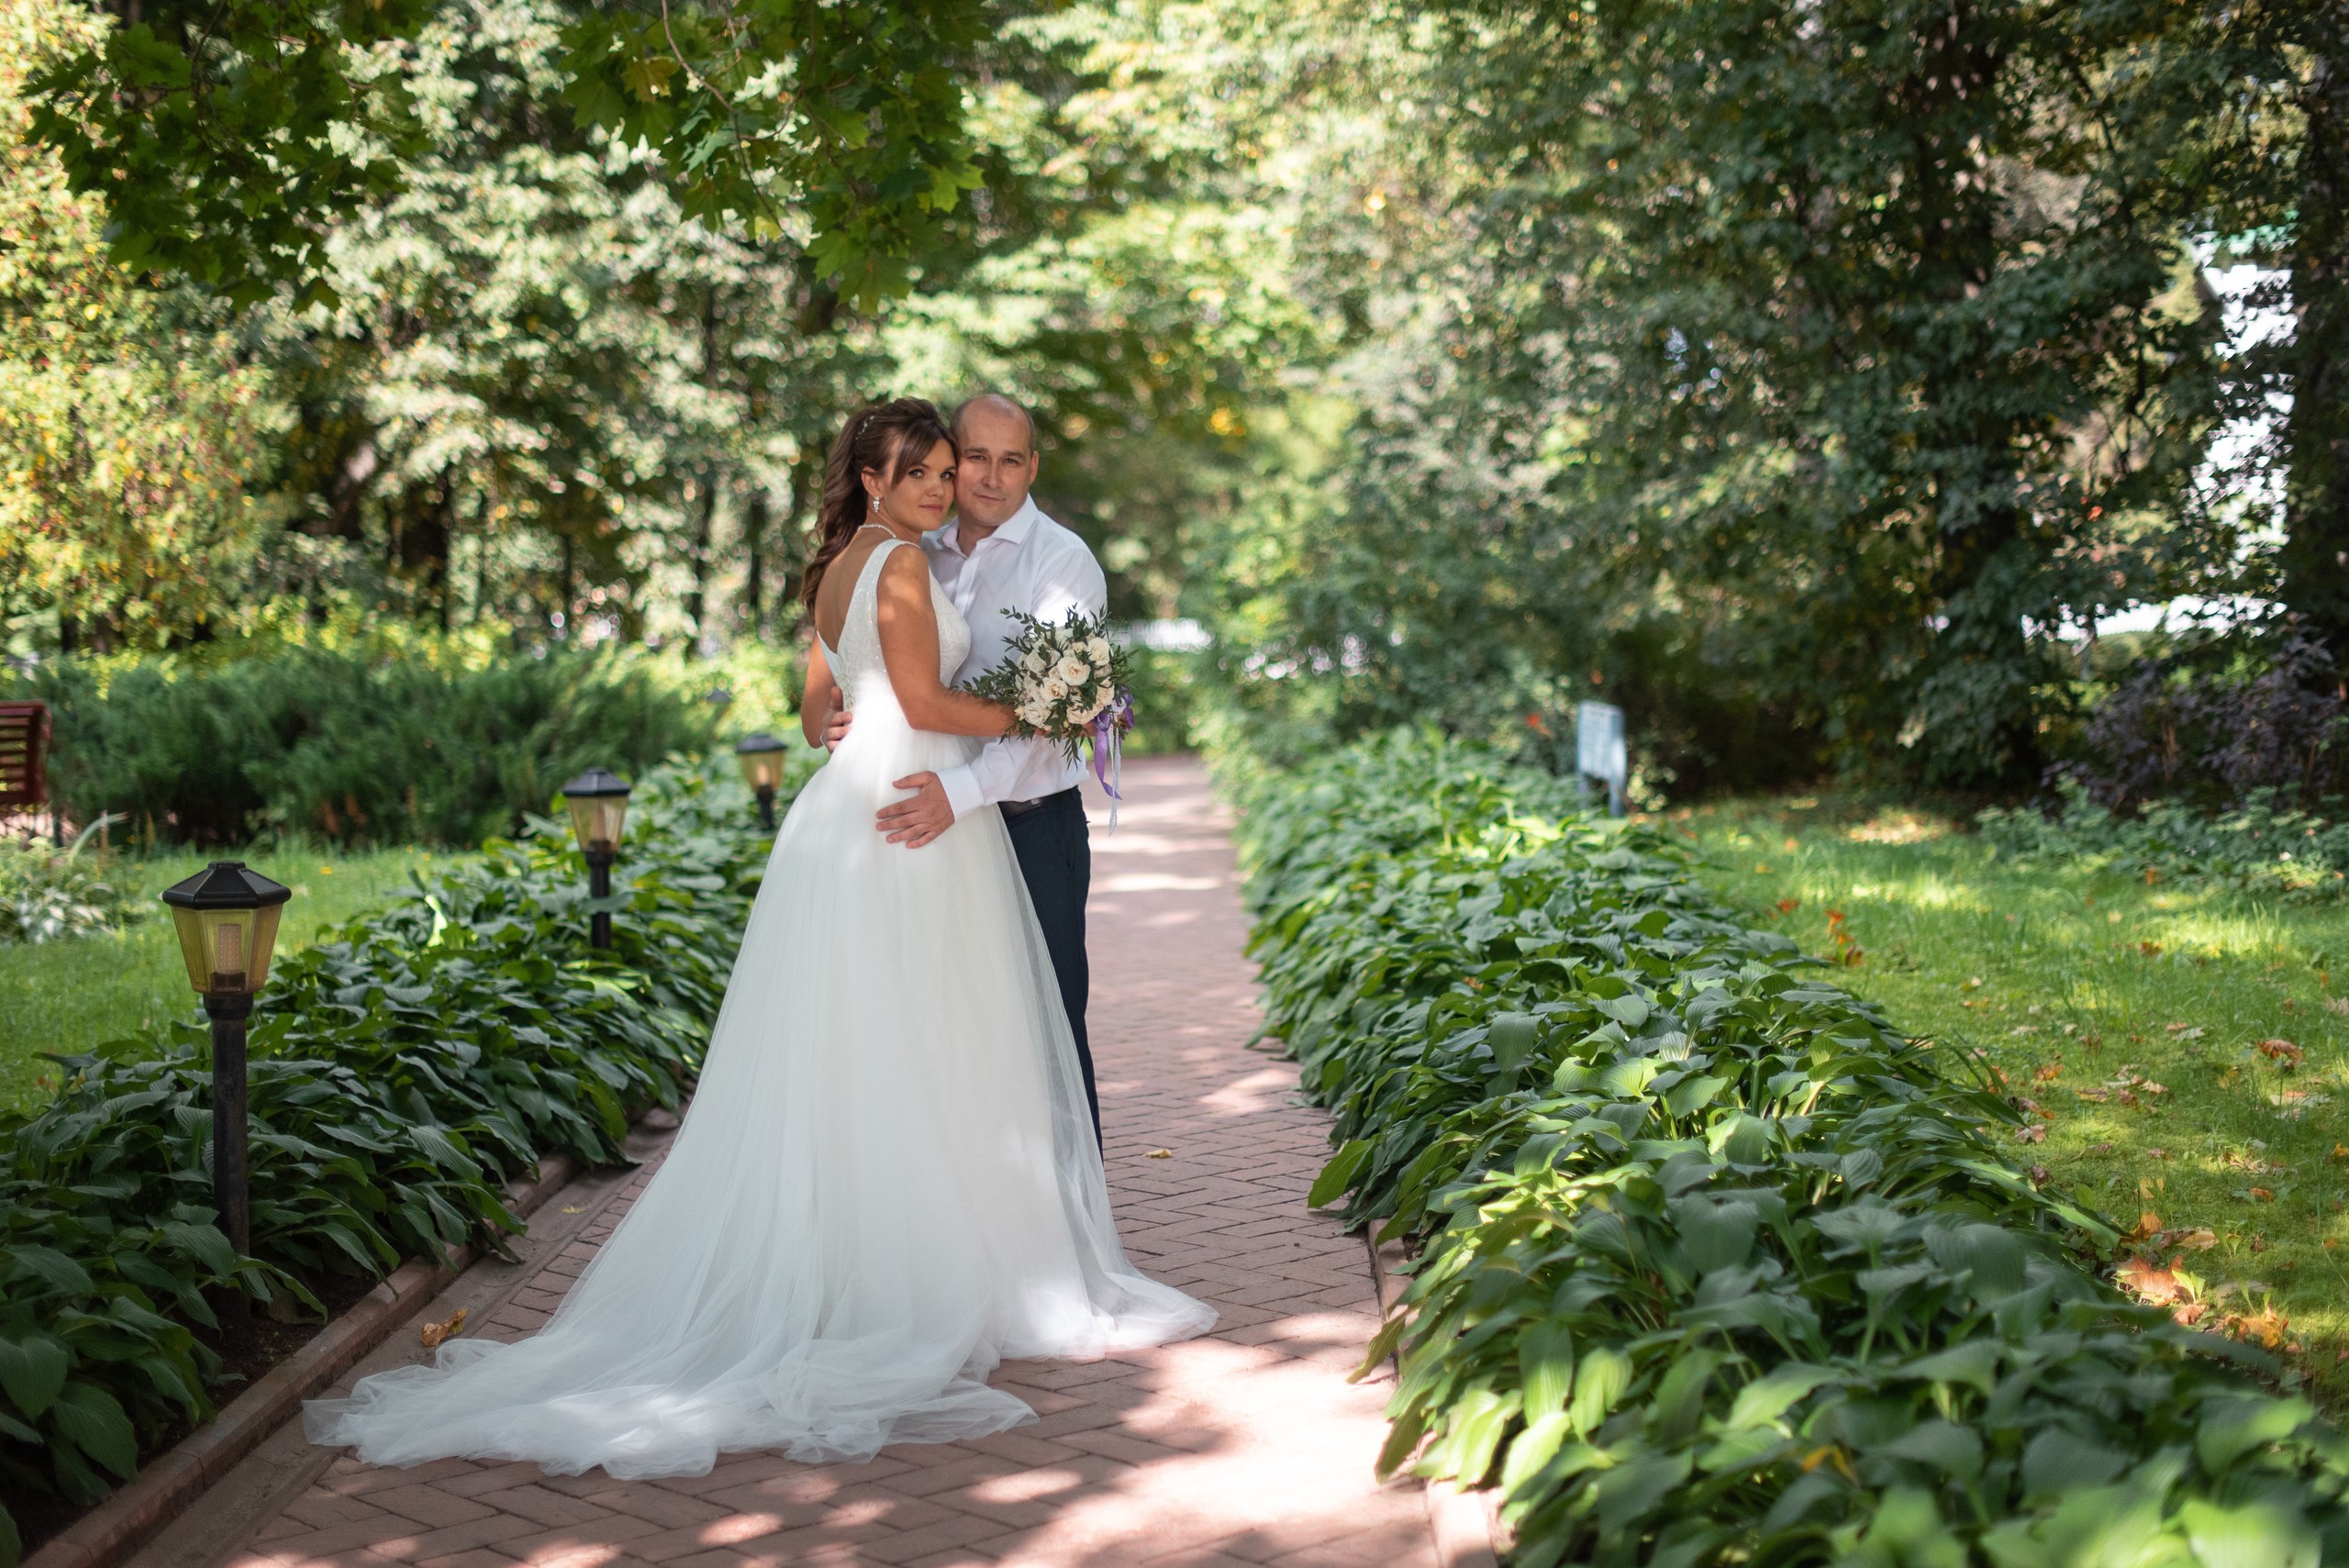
x=836 y=722
x=920 y=818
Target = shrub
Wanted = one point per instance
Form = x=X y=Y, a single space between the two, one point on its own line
x=381 y=741
x=400 y=1073
x=2215 y=724
x=1715 y=1265
x=2260 y=846
x=47 y=894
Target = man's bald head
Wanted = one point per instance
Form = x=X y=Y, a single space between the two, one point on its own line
x=998 y=403
x=994 y=465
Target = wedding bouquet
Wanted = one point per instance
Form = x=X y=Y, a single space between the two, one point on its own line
x=1066 y=683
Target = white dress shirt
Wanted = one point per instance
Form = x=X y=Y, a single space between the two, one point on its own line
x=1035 y=566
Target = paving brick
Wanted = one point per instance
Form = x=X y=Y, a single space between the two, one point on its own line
x=1244 y=1448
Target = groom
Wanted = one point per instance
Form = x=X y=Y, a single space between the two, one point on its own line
x=1001 y=553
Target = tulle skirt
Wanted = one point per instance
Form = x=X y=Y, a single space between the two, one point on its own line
x=886 y=1182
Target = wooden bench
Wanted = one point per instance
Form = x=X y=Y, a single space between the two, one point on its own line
x=24 y=756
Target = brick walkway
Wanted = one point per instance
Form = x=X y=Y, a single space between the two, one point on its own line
x=1246 y=1447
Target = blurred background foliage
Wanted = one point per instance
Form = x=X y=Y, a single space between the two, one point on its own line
x=1819 y=381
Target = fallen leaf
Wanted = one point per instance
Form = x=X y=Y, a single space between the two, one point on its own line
x=433 y=1334
x=2148 y=1226
x=578 y=1208
x=2094 y=1097
x=1160 y=1154
x=2049 y=1074
x=2262 y=1194
x=2336 y=1003
x=2268 y=1326
x=2283 y=1052
x=2039 y=1176
x=1788 y=906
x=2035 y=1133
x=2156 y=1153
x=2148 y=1282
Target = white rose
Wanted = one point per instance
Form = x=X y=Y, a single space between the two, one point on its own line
x=1098 y=649
x=1036 y=715
x=1054 y=689
x=1074 y=670
x=1093 y=710
x=1035 y=663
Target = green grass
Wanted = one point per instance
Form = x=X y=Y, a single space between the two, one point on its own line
x=2071 y=980
x=68 y=997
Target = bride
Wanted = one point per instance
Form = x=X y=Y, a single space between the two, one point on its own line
x=887 y=1181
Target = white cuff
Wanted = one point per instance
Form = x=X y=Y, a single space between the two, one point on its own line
x=962 y=791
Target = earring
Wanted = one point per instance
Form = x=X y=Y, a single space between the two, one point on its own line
x=876 y=503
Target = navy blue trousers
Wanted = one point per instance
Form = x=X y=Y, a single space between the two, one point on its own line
x=1056 y=861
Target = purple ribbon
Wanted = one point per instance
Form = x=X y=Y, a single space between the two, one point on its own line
x=1109 y=724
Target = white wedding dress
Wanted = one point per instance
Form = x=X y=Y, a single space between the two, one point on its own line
x=887 y=1181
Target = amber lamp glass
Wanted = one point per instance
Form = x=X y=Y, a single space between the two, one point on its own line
x=599 y=802
x=762 y=757
x=228 y=925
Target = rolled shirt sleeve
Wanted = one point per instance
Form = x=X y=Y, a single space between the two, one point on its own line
x=1062 y=578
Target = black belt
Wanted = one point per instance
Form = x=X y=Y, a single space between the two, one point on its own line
x=1022 y=807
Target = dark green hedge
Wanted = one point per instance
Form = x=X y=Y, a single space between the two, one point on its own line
x=1715 y=1265
x=401 y=1072
x=375 y=743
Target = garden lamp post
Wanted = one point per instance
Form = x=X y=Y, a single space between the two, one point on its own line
x=599 y=802
x=228 y=918
x=762 y=757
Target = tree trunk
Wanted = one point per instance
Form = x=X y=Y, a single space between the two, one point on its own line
x=2315 y=556
x=698 y=596
x=754 y=548
x=567 y=584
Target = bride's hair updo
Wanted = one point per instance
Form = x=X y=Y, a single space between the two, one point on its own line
x=886 y=437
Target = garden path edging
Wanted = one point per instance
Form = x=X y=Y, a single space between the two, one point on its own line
x=165 y=1488
x=1466 y=1525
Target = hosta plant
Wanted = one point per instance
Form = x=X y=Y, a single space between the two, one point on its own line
x=402 y=1069
x=1714 y=1266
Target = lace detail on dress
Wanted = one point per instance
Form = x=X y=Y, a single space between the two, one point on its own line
x=857 y=662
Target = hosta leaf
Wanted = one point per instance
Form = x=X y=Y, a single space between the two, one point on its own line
x=1715 y=1235
x=1772 y=1396
x=1338 y=1174
x=92 y=1420
x=1545 y=1366
x=1513 y=1037
x=2061 y=1460
x=2252 y=1534
x=1955 y=1451
x=32 y=1370
x=49 y=1266
x=1600 y=1378
x=1991 y=1254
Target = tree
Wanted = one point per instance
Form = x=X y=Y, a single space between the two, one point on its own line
x=132 y=425
x=226 y=136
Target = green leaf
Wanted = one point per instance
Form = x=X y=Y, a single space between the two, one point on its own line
x=1338 y=1174
x=1600 y=1378
x=2258 y=1534
x=92 y=1420
x=33 y=1369
x=1545 y=1366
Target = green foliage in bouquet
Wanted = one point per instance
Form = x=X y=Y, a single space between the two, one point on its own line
x=401 y=1072
x=1713 y=1265
x=1056 y=678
